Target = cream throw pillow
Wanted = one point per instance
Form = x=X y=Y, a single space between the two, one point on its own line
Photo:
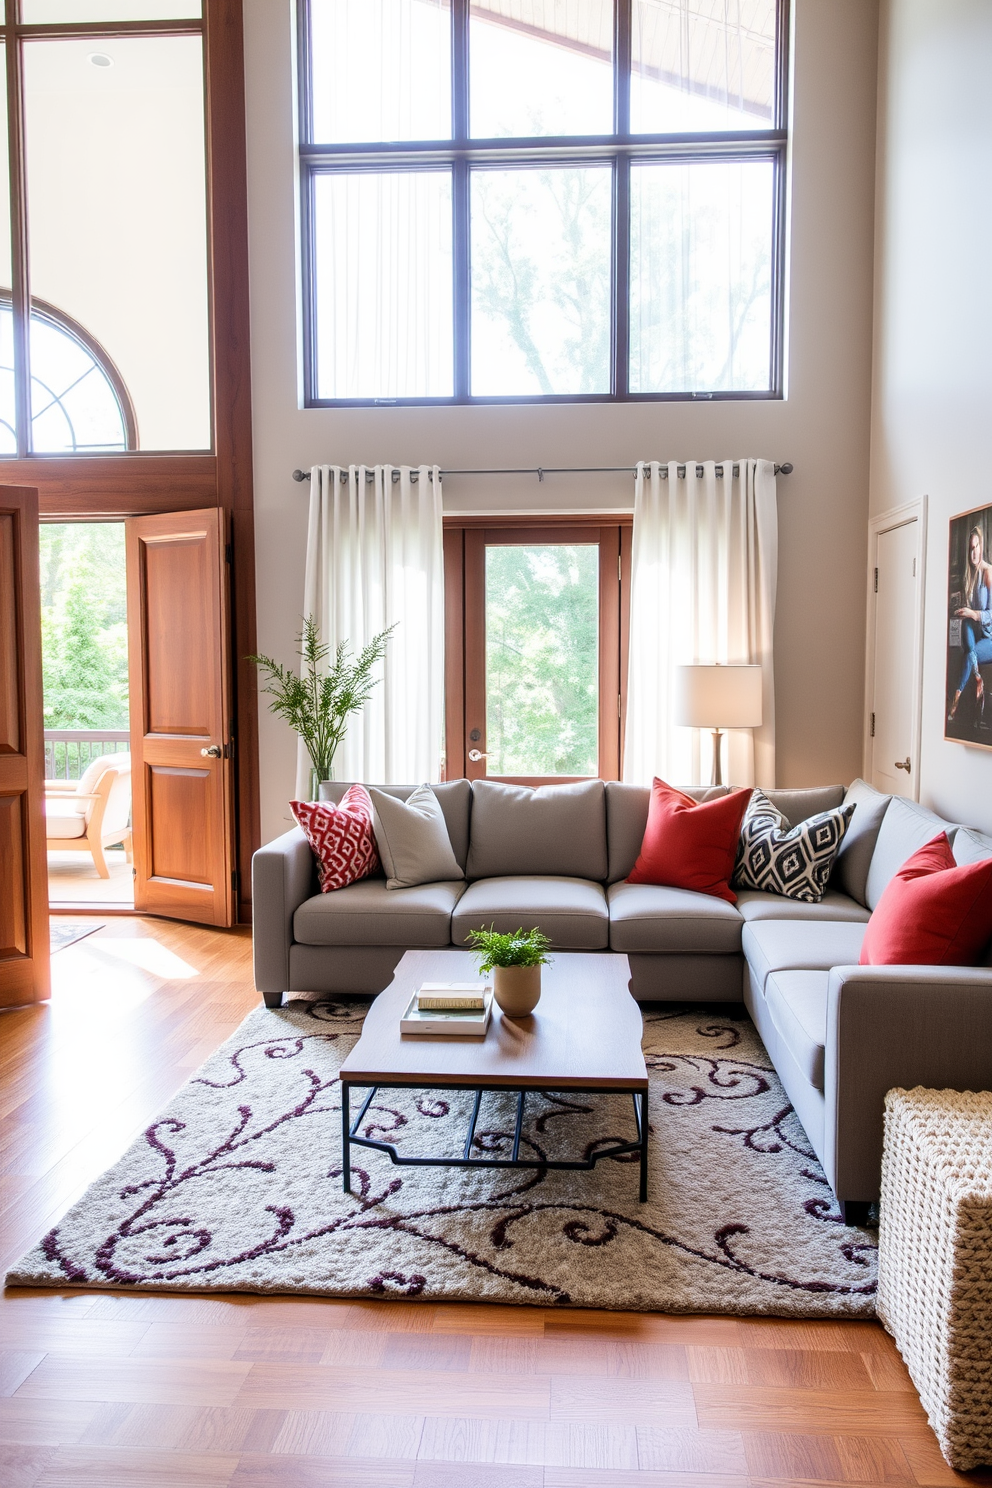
x=412 y=839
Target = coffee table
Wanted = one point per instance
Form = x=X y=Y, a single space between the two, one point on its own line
x=584 y=1036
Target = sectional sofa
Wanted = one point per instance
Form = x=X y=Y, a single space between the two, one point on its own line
x=840 y=1035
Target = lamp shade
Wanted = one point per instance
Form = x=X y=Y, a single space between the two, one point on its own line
x=718 y=697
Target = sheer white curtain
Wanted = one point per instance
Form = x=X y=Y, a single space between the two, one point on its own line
x=374 y=557
x=705 y=559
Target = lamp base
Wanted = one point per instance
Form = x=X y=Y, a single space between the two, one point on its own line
x=717 y=762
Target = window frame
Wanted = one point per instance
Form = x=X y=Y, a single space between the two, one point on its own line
x=618 y=151
x=465 y=543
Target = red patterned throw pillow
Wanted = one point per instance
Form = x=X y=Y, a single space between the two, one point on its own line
x=341 y=837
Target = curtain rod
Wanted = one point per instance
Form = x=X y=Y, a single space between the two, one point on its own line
x=542 y=470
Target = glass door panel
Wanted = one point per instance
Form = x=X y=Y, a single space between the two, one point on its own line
x=542 y=659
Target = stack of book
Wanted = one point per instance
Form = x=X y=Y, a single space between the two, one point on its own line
x=460 y=1008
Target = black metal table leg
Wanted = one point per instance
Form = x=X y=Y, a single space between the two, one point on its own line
x=643 y=1123
x=345 y=1138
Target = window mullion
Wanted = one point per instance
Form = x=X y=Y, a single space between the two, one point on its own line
x=621 y=67
x=621 y=275
x=20 y=286
x=460 y=205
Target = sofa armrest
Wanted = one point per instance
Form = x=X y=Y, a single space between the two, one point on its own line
x=896 y=1026
x=282 y=877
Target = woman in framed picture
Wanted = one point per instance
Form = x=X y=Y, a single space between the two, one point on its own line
x=976 y=620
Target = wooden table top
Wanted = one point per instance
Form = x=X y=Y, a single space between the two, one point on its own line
x=585 y=1032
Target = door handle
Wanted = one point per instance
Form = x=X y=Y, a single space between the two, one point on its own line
x=476 y=754
x=905 y=764
x=214 y=752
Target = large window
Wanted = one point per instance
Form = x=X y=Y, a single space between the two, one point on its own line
x=542 y=199
x=103 y=221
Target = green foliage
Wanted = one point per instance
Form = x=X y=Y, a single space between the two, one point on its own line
x=541 y=268
x=318 y=706
x=84 y=625
x=521 y=948
x=542 y=659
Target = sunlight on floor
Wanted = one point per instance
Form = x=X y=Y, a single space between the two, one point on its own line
x=147 y=954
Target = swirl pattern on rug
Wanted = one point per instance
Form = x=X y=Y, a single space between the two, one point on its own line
x=237 y=1187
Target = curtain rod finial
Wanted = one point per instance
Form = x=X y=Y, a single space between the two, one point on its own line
x=301 y=475
x=785 y=469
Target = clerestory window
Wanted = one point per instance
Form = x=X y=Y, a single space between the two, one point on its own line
x=542 y=199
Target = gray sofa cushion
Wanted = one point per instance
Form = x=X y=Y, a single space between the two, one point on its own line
x=971 y=846
x=905 y=827
x=647 y=917
x=571 y=911
x=797 y=945
x=454 y=798
x=797 y=1005
x=368 y=914
x=850 y=873
x=799 y=802
x=554 y=829
x=754 y=904
x=627 y=816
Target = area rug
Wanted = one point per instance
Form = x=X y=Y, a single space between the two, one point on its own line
x=63 y=934
x=237 y=1187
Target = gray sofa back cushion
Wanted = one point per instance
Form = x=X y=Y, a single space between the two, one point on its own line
x=971 y=846
x=553 y=829
x=627 y=816
x=850 y=873
x=801 y=802
x=454 y=798
x=905 y=828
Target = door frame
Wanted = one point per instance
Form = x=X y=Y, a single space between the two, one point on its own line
x=87 y=488
x=464 y=542
x=897 y=516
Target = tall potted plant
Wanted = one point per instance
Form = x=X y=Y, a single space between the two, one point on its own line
x=319 y=702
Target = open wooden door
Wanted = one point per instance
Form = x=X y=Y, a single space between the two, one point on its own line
x=24 y=968
x=182 y=732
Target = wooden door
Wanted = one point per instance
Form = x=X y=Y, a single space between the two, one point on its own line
x=573 y=745
x=182 y=735
x=24 y=969
x=895 y=660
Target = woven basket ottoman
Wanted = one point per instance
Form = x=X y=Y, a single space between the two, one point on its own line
x=935 y=1259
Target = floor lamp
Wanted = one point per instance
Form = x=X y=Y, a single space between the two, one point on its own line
x=718 y=697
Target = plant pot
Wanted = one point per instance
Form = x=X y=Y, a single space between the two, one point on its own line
x=517 y=989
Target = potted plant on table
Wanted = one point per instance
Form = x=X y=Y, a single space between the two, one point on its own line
x=318 y=703
x=515 y=960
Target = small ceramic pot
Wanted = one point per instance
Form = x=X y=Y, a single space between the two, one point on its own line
x=517 y=989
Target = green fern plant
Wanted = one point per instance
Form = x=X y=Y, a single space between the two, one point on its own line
x=518 y=948
x=319 y=702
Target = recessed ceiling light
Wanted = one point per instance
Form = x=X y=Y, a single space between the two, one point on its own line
x=100 y=59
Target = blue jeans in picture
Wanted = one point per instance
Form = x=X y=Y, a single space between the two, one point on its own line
x=974 y=651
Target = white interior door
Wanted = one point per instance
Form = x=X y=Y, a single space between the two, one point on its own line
x=894 y=659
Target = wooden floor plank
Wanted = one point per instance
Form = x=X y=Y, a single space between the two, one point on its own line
x=136 y=1390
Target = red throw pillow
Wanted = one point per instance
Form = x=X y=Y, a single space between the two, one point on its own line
x=932 y=913
x=341 y=837
x=691 y=844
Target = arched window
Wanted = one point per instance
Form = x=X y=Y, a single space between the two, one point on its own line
x=79 y=404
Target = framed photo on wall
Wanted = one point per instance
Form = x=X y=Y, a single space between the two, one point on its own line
x=968 y=705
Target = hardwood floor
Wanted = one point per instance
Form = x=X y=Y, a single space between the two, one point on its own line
x=143 y=1391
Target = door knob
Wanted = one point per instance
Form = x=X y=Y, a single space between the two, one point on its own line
x=213 y=752
x=904 y=764
x=476 y=754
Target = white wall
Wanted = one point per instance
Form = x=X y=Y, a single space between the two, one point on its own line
x=822 y=427
x=932 y=403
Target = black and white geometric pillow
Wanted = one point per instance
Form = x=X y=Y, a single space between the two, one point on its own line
x=794 y=862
